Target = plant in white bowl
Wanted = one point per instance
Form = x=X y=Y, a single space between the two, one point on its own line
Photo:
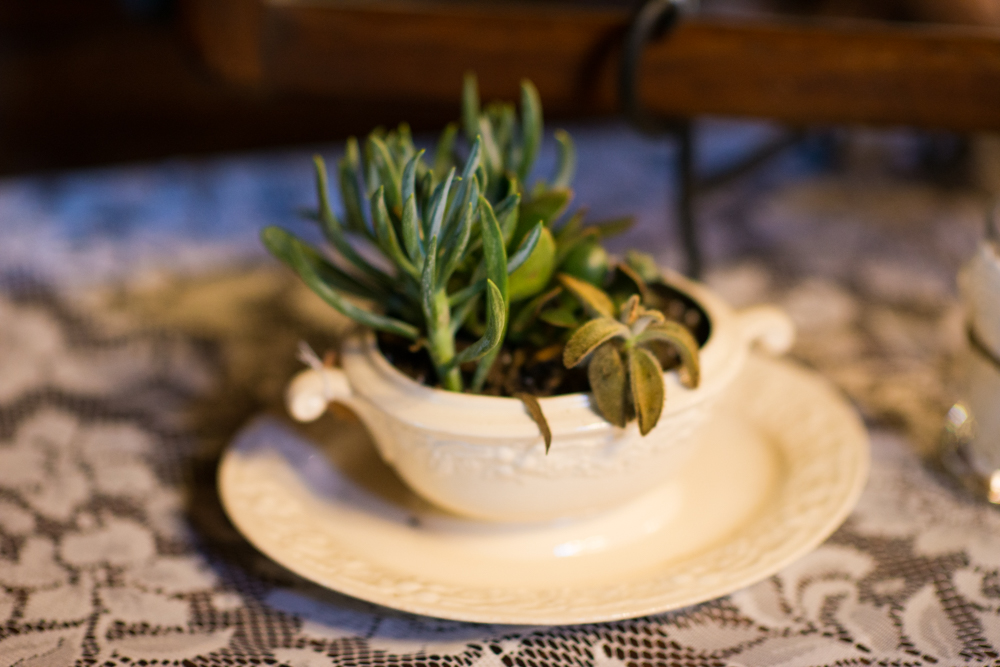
x=468 y=371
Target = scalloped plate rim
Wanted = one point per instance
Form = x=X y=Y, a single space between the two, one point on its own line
x=854 y=436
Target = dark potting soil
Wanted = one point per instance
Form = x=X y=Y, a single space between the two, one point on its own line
x=539 y=370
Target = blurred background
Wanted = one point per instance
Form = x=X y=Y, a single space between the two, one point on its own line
x=93 y=82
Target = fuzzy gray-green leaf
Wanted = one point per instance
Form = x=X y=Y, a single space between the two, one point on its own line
x=534 y=409
x=609 y=384
x=594 y=300
x=681 y=339
x=646 y=380
x=307 y=272
x=587 y=338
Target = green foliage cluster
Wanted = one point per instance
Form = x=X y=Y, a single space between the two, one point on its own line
x=457 y=254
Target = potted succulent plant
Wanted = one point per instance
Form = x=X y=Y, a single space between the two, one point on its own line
x=489 y=303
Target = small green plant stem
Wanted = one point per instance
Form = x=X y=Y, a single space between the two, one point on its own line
x=441 y=342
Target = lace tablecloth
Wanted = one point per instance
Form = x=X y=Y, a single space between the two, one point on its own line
x=140 y=327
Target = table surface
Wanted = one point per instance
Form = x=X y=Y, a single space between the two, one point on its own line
x=141 y=326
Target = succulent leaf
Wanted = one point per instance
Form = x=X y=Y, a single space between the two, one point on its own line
x=408 y=181
x=438 y=204
x=646 y=378
x=566 y=164
x=411 y=232
x=507 y=212
x=534 y=409
x=545 y=207
x=594 y=300
x=349 y=171
x=525 y=249
x=386 y=235
x=456 y=253
x=531 y=114
x=644 y=265
x=681 y=339
x=609 y=384
x=590 y=336
x=533 y=276
x=428 y=281
x=279 y=242
x=389 y=174
x=300 y=262
x=614 y=226
x=496 y=323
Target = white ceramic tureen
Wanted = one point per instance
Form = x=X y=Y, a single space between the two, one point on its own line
x=483 y=456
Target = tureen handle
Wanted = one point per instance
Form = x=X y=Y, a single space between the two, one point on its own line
x=312 y=390
x=767 y=327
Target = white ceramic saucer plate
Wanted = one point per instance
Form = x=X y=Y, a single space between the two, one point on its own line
x=779 y=469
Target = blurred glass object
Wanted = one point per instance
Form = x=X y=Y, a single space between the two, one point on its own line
x=970 y=442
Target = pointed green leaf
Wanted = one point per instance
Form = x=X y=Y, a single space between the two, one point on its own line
x=300 y=262
x=681 y=339
x=494 y=252
x=438 y=204
x=349 y=172
x=647 y=387
x=389 y=173
x=491 y=152
x=531 y=127
x=408 y=181
x=609 y=384
x=411 y=232
x=587 y=338
x=566 y=165
x=507 y=212
x=386 y=235
x=325 y=212
x=546 y=207
x=470 y=106
x=535 y=273
x=594 y=300
x=456 y=253
x=335 y=235
x=525 y=249
x=496 y=323
x=280 y=243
